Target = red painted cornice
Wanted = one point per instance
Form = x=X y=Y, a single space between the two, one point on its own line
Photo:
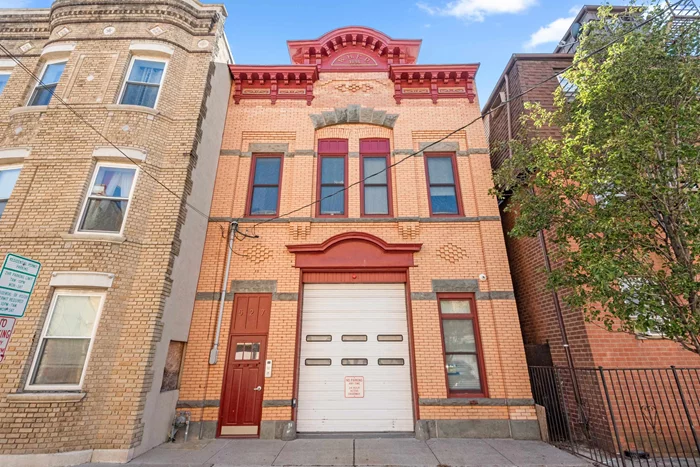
x=433 y=81
x=273 y=82
x=369 y=49
x=349 y=236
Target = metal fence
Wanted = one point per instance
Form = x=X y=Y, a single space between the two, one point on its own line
x=622 y=417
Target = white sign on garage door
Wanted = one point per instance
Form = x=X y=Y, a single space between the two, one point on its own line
x=352 y=335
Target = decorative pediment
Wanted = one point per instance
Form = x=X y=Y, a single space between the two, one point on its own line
x=354 y=113
x=354 y=47
x=433 y=81
x=273 y=82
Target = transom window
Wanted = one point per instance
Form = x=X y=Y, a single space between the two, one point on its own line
x=443 y=187
x=463 y=359
x=49 y=80
x=265 y=188
x=108 y=199
x=66 y=340
x=8 y=178
x=332 y=178
x=142 y=86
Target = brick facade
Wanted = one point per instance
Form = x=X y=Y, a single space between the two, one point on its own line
x=591 y=345
x=119 y=411
x=466 y=251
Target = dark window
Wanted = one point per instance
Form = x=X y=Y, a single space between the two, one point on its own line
x=173 y=365
x=463 y=359
x=317 y=362
x=143 y=83
x=49 y=80
x=108 y=200
x=354 y=338
x=390 y=362
x=265 y=189
x=354 y=362
x=442 y=185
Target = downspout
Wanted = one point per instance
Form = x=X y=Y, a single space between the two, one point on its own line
x=213 y=355
x=510 y=129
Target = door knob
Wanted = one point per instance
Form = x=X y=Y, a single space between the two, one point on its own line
x=259 y=388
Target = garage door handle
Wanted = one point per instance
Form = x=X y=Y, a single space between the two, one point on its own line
x=259 y=388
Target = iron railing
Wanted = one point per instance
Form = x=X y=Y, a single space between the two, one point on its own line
x=622 y=417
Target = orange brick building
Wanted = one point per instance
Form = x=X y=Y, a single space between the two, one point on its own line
x=386 y=306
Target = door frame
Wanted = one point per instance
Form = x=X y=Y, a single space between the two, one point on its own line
x=263 y=355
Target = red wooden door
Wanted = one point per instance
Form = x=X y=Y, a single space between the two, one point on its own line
x=244 y=378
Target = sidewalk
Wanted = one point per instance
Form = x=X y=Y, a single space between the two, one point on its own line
x=356 y=452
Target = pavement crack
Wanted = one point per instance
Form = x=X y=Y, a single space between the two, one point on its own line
x=278 y=454
x=433 y=453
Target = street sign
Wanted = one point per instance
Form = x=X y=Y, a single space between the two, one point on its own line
x=17 y=279
x=7 y=325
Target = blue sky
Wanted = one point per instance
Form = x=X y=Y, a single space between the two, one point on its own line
x=458 y=31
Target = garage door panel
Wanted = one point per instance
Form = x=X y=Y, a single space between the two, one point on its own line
x=362 y=310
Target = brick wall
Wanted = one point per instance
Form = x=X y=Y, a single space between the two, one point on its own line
x=41 y=215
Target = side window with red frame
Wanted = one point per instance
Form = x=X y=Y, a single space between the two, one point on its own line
x=265 y=180
x=464 y=363
x=332 y=178
x=376 y=176
x=443 y=185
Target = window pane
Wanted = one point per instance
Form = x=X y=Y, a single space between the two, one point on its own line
x=451 y=307
x=4 y=77
x=8 y=178
x=61 y=361
x=333 y=170
x=443 y=199
x=336 y=203
x=104 y=215
x=376 y=200
x=373 y=165
x=264 y=200
x=73 y=316
x=146 y=71
x=440 y=170
x=459 y=335
x=42 y=95
x=267 y=171
x=140 y=94
x=53 y=73
x=463 y=372
x=113 y=182
x=2 y=207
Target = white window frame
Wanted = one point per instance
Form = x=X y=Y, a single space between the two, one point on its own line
x=65 y=387
x=149 y=58
x=41 y=78
x=10 y=167
x=8 y=73
x=87 y=198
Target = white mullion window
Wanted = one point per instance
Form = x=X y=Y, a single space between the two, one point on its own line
x=107 y=203
x=8 y=179
x=66 y=341
x=50 y=77
x=4 y=78
x=143 y=82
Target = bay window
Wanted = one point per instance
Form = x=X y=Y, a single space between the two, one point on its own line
x=464 y=367
x=66 y=340
x=143 y=82
x=108 y=200
x=49 y=80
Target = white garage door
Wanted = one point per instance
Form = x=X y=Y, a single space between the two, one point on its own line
x=355 y=370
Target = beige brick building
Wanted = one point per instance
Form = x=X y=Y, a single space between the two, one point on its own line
x=385 y=307
x=85 y=372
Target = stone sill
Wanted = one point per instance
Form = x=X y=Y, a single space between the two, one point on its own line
x=132 y=108
x=84 y=237
x=37 y=397
x=28 y=109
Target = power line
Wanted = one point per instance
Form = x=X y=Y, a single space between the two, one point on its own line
x=482 y=116
x=92 y=127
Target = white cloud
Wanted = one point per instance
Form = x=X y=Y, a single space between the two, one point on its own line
x=553 y=32
x=478 y=10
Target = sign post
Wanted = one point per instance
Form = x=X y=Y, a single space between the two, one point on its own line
x=17 y=278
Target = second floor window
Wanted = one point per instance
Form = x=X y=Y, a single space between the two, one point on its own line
x=265 y=186
x=443 y=186
x=8 y=178
x=108 y=200
x=376 y=185
x=143 y=83
x=4 y=78
x=332 y=177
x=49 y=80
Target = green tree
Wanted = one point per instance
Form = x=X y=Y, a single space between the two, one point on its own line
x=618 y=191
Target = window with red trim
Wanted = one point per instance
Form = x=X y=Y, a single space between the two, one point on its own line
x=332 y=178
x=464 y=363
x=443 y=185
x=376 y=176
x=265 y=179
